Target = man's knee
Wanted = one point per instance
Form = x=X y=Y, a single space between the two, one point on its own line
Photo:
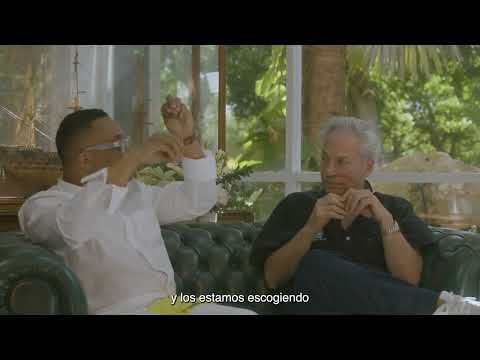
x=310 y=266
x=319 y=265
x=316 y=261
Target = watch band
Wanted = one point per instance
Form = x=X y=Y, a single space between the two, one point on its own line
x=392 y=228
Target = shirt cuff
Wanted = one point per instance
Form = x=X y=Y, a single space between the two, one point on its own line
x=203 y=169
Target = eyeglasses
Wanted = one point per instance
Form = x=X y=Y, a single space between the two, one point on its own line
x=121 y=145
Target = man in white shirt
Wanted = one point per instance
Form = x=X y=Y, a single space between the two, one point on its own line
x=105 y=224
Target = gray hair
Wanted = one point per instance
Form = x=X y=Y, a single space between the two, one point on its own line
x=364 y=130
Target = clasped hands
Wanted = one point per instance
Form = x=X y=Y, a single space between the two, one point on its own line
x=347 y=208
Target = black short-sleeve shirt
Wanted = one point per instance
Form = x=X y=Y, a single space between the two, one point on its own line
x=361 y=243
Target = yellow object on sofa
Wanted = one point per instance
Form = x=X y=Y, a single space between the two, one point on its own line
x=165 y=307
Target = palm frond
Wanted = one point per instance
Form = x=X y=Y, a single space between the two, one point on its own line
x=411 y=60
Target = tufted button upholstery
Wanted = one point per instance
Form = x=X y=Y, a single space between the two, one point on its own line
x=207 y=258
x=34 y=280
x=214 y=259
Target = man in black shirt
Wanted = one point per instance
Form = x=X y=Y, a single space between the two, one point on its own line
x=351 y=250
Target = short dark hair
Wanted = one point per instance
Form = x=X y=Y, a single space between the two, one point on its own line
x=72 y=125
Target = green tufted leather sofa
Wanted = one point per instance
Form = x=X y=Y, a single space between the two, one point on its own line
x=207 y=258
x=34 y=280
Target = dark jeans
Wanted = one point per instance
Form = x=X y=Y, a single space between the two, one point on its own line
x=336 y=285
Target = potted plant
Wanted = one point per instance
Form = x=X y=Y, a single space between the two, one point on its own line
x=234 y=199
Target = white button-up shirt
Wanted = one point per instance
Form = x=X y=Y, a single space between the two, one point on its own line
x=110 y=236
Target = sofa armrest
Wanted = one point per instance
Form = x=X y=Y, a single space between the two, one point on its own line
x=36 y=281
x=453 y=263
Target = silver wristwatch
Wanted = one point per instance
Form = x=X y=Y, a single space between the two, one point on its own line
x=391 y=229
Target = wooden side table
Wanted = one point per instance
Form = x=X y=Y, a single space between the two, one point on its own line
x=9 y=206
x=236 y=216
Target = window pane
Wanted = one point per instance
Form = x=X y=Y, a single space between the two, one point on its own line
x=130 y=89
x=256 y=104
x=431 y=114
x=422 y=99
x=176 y=79
x=311 y=186
x=209 y=88
x=323 y=95
x=265 y=197
x=447 y=205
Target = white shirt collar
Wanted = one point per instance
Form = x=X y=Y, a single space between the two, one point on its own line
x=72 y=188
x=68 y=187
